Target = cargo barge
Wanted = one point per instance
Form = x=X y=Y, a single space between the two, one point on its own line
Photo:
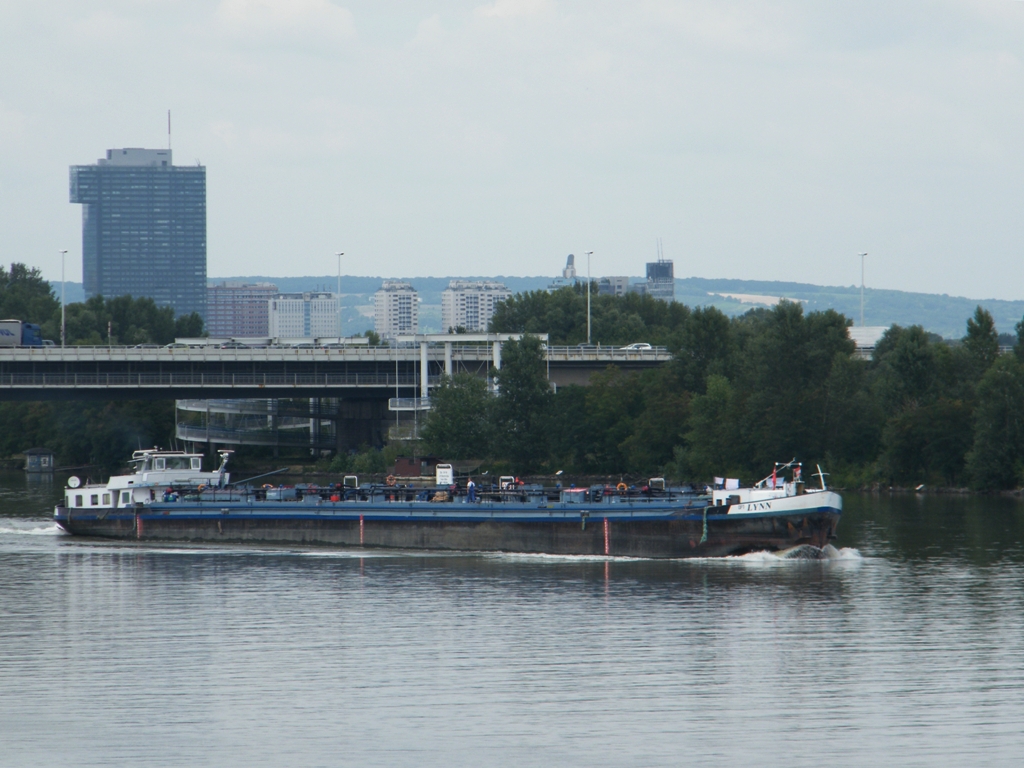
x=169 y=498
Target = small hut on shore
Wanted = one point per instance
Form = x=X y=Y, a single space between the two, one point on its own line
x=39 y=460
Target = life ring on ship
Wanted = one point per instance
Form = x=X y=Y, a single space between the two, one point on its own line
x=201 y=488
x=621 y=487
x=391 y=480
x=267 y=485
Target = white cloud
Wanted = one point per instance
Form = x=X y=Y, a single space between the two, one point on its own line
x=509 y=9
x=13 y=125
x=496 y=136
x=269 y=18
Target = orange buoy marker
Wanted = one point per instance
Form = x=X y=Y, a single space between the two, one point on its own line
x=606 y=535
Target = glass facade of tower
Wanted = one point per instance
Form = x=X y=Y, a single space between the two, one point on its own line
x=143 y=228
x=661 y=282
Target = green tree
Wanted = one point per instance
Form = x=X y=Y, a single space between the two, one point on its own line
x=660 y=425
x=189 y=326
x=123 y=320
x=1018 y=348
x=25 y=295
x=703 y=347
x=713 y=445
x=523 y=408
x=570 y=438
x=907 y=369
x=996 y=458
x=981 y=342
x=106 y=433
x=458 y=425
x=786 y=361
x=614 y=401
x=927 y=443
x=852 y=417
x=615 y=320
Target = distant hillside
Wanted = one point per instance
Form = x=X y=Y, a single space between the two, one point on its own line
x=942 y=314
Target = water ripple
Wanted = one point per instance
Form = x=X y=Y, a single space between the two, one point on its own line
x=119 y=654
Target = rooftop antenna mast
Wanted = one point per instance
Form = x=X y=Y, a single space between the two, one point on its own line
x=168 y=129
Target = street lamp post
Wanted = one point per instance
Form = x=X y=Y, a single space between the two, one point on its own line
x=339 y=254
x=63 y=253
x=589 y=254
x=862 y=289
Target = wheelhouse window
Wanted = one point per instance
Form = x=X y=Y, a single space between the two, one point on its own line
x=197 y=463
x=94 y=500
x=78 y=500
x=159 y=464
x=106 y=499
x=126 y=497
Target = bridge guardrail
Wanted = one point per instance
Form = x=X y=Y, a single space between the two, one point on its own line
x=202 y=379
x=607 y=353
x=481 y=352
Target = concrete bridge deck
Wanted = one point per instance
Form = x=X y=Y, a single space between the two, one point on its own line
x=357 y=372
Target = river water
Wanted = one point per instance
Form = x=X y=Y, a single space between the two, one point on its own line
x=906 y=648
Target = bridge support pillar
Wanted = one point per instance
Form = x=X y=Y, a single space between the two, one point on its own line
x=424 y=371
x=448 y=359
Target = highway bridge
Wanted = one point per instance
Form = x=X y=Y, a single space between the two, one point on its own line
x=406 y=370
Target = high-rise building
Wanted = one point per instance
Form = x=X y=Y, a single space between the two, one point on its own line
x=239 y=309
x=661 y=282
x=470 y=304
x=311 y=314
x=143 y=228
x=613 y=286
x=395 y=309
x=568 y=275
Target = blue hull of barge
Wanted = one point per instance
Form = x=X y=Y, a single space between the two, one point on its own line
x=624 y=529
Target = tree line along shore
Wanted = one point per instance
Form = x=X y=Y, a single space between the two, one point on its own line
x=739 y=394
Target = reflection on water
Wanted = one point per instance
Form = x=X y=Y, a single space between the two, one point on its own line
x=907 y=647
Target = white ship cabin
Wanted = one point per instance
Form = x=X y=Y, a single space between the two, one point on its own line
x=774 y=486
x=155 y=473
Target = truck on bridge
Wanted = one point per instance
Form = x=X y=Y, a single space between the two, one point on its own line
x=15 y=333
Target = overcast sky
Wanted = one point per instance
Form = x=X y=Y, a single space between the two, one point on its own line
x=758 y=140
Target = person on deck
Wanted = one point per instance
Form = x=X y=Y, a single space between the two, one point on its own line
x=470 y=491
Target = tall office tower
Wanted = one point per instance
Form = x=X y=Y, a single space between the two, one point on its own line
x=143 y=228
x=661 y=282
x=470 y=304
x=396 y=309
x=304 y=315
x=239 y=309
